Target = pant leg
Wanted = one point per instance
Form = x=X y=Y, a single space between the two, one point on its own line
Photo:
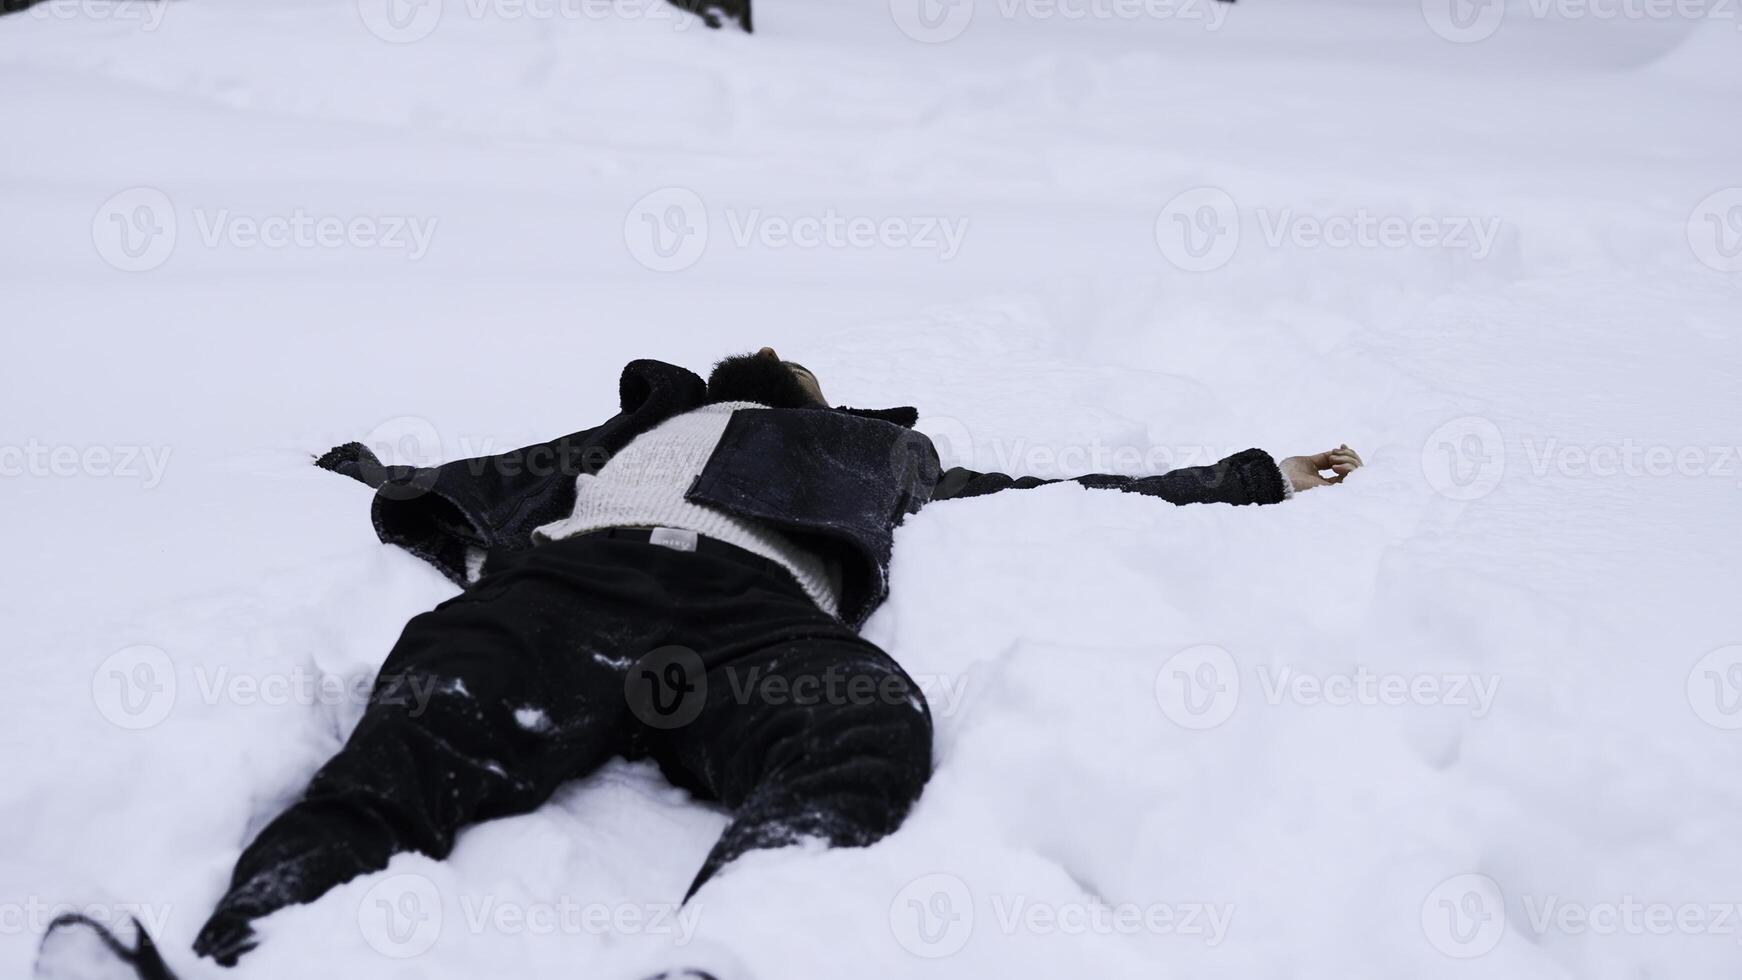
x=484 y=707
x=821 y=737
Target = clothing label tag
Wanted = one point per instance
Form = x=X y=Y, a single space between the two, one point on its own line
x=677 y=539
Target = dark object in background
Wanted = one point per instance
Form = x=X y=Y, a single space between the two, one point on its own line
x=709 y=11
x=76 y=946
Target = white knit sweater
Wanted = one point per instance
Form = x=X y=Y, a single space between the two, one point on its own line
x=644 y=485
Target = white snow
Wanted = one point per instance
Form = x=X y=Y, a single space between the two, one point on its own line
x=1473 y=714
x=532 y=719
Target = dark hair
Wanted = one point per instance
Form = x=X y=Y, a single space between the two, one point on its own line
x=753 y=378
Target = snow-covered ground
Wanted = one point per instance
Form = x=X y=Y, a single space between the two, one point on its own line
x=1476 y=713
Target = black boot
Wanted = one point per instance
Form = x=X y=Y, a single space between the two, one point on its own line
x=77 y=947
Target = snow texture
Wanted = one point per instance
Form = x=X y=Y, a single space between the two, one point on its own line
x=1474 y=713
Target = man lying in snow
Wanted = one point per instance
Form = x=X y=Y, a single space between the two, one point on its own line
x=620 y=584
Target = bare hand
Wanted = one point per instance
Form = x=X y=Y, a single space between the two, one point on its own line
x=1304 y=472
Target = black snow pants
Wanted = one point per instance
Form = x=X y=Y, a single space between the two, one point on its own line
x=714 y=663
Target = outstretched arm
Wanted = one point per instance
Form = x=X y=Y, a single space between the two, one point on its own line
x=1249 y=477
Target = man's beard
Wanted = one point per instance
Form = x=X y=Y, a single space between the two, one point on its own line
x=763 y=380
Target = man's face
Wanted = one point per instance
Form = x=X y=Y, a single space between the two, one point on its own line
x=803 y=374
x=764 y=378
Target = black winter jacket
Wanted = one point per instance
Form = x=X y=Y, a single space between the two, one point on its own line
x=837 y=480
